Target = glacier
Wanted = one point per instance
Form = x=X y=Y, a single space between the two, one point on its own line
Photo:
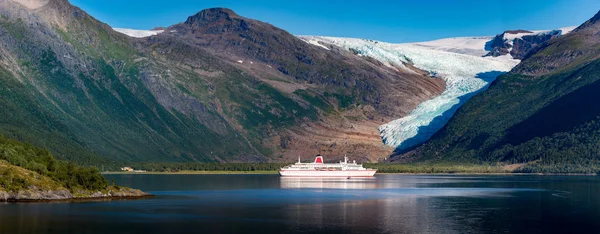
x=458 y=61
x=138 y=33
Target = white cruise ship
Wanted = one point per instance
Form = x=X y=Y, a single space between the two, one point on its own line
x=320 y=169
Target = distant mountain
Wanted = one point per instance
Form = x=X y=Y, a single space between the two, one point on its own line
x=542 y=114
x=217 y=87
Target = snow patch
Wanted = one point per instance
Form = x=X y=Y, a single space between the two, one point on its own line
x=567 y=30
x=464 y=70
x=313 y=42
x=461 y=45
x=240 y=61
x=511 y=37
x=138 y=33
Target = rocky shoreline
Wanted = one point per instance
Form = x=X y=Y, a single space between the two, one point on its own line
x=38 y=195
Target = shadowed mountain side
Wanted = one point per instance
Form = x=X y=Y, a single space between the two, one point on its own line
x=562 y=114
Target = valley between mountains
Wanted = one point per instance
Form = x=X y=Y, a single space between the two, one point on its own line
x=219 y=87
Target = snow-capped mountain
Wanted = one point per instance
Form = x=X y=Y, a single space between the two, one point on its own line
x=467 y=65
x=459 y=61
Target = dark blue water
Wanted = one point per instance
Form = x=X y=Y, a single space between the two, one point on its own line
x=270 y=204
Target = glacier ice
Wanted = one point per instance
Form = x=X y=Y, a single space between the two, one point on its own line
x=138 y=33
x=465 y=75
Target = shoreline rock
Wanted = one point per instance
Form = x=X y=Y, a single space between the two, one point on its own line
x=37 y=195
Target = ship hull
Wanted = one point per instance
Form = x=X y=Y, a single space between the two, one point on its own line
x=316 y=173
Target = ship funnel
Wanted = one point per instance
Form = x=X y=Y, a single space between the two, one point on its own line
x=319 y=159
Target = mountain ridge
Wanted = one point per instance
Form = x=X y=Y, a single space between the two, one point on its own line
x=188 y=94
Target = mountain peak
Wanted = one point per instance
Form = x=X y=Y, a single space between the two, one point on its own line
x=212 y=15
x=591 y=22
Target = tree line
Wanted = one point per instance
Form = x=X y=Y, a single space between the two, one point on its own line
x=39 y=160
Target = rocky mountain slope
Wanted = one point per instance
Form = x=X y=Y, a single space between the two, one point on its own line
x=217 y=87
x=542 y=113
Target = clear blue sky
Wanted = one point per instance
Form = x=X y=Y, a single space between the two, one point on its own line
x=391 y=21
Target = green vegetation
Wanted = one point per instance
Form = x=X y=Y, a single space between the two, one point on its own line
x=344 y=101
x=315 y=101
x=102 y=107
x=237 y=167
x=25 y=117
x=259 y=105
x=437 y=168
x=40 y=161
x=13 y=178
x=263 y=168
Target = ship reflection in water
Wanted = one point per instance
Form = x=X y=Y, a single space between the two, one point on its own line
x=327 y=183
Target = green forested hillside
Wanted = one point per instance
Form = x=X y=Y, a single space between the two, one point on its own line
x=16 y=158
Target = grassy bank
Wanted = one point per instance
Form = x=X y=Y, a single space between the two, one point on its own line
x=208 y=167
x=537 y=167
x=272 y=168
x=436 y=168
x=192 y=173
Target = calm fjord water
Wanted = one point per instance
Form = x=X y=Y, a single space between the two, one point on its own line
x=270 y=204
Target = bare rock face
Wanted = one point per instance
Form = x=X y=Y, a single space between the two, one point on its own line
x=519 y=47
x=566 y=52
x=4 y=196
x=35 y=194
x=32 y=4
x=526 y=44
x=127 y=192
